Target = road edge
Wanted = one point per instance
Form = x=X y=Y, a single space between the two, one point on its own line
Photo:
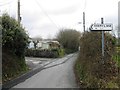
x=28 y=74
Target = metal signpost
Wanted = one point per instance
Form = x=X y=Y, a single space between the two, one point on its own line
x=102 y=27
x=102 y=39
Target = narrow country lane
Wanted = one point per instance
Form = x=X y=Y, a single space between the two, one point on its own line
x=60 y=76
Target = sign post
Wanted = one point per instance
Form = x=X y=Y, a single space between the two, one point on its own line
x=102 y=39
x=102 y=27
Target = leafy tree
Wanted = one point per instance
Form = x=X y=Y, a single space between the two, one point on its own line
x=14 y=36
x=69 y=39
x=14 y=43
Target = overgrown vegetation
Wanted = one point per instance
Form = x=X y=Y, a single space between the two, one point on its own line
x=69 y=39
x=91 y=70
x=54 y=53
x=14 y=42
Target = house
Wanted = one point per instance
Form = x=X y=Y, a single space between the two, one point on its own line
x=45 y=44
x=54 y=44
x=48 y=45
x=42 y=45
x=31 y=45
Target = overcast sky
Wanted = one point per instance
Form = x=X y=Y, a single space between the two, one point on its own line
x=46 y=17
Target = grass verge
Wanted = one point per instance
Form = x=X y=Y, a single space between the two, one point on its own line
x=12 y=67
x=85 y=79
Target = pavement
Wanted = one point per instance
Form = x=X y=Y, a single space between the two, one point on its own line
x=44 y=70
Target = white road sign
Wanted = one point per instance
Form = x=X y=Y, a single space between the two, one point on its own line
x=101 y=27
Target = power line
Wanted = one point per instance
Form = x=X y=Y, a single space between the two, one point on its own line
x=47 y=14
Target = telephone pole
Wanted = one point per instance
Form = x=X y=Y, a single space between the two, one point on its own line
x=84 y=21
x=19 y=18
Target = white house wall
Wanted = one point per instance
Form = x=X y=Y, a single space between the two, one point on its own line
x=31 y=45
x=45 y=46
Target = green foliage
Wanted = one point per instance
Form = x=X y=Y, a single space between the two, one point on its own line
x=112 y=85
x=94 y=72
x=14 y=43
x=118 y=42
x=12 y=66
x=42 y=53
x=61 y=52
x=69 y=39
x=13 y=35
x=54 y=53
x=116 y=58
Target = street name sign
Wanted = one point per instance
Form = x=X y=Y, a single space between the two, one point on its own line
x=101 y=27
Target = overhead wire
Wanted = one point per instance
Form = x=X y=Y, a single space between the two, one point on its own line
x=46 y=14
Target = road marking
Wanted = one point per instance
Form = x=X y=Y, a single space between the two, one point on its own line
x=36 y=62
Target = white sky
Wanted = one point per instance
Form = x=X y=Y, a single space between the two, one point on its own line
x=46 y=17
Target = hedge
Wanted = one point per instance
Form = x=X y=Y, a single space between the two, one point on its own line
x=54 y=53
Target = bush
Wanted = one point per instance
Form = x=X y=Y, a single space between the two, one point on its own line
x=14 y=37
x=93 y=71
x=14 y=43
x=61 y=52
x=54 y=53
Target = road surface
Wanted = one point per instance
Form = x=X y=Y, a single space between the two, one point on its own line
x=58 y=74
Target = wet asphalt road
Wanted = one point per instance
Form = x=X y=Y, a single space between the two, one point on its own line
x=59 y=76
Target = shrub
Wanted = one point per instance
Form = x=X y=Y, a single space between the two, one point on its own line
x=97 y=72
x=14 y=43
x=14 y=37
x=42 y=53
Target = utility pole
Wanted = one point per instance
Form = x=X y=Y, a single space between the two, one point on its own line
x=84 y=21
x=118 y=23
x=19 y=18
